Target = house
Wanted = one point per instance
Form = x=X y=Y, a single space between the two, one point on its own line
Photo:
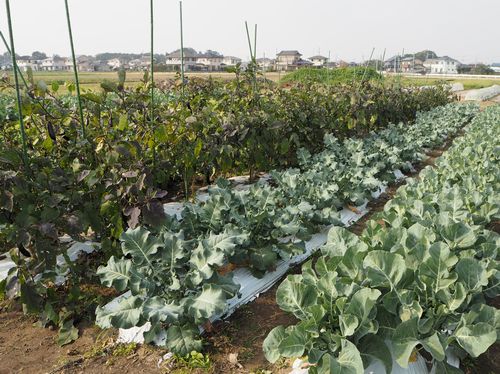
x=411 y=64
x=26 y=62
x=231 y=61
x=173 y=60
x=265 y=64
x=441 y=65
x=318 y=61
x=85 y=63
x=287 y=60
x=55 y=63
x=210 y=61
x=392 y=64
x=142 y=63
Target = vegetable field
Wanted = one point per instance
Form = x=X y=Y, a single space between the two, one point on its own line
x=156 y=211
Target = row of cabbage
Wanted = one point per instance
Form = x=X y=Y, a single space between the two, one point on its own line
x=417 y=279
x=178 y=273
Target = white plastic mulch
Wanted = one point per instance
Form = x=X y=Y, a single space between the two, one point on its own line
x=482 y=93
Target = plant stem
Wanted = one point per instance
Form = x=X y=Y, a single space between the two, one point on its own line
x=75 y=70
x=18 y=91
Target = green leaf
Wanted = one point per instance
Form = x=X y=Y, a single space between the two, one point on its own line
x=405 y=339
x=139 y=245
x=384 y=268
x=471 y=273
x=156 y=309
x=67 y=333
x=182 y=340
x=373 y=347
x=476 y=339
x=294 y=344
x=116 y=273
x=209 y=302
x=125 y=314
x=272 y=342
x=433 y=345
x=339 y=241
x=459 y=235
x=294 y=296
x=348 y=362
x=434 y=270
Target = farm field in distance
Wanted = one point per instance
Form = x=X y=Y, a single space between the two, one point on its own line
x=92 y=80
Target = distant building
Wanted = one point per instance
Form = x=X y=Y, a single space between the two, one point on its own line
x=410 y=64
x=441 y=65
x=25 y=63
x=495 y=67
x=287 y=60
x=197 y=61
x=55 y=63
x=318 y=60
x=231 y=61
x=265 y=64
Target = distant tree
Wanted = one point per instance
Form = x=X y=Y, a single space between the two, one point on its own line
x=424 y=55
x=37 y=55
x=213 y=53
x=374 y=64
x=464 y=69
x=482 y=69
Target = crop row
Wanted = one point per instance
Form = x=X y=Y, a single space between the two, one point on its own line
x=417 y=279
x=96 y=186
x=175 y=272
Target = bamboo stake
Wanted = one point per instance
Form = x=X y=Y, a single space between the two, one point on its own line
x=151 y=57
x=255 y=44
x=249 y=42
x=16 y=80
x=182 y=49
x=75 y=70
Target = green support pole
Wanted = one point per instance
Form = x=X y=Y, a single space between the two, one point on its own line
x=255 y=44
x=249 y=42
x=152 y=108
x=182 y=49
x=16 y=80
x=75 y=70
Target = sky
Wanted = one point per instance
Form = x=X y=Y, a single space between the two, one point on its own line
x=466 y=30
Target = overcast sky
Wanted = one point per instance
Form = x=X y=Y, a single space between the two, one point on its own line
x=466 y=30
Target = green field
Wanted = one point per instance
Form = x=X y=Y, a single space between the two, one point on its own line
x=92 y=80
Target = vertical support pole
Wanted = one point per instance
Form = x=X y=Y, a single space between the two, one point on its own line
x=151 y=58
x=249 y=42
x=182 y=48
x=16 y=80
x=75 y=70
x=255 y=44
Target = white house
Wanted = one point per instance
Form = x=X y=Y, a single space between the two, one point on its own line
x=265 y=63
x=495 y=67
x=55 y=63
x=173 y=59
x=442 y=65
x=318 y=60
x=24 y=63
x=231 y=61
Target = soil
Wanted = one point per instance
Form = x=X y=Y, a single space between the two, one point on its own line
x=234 y=346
